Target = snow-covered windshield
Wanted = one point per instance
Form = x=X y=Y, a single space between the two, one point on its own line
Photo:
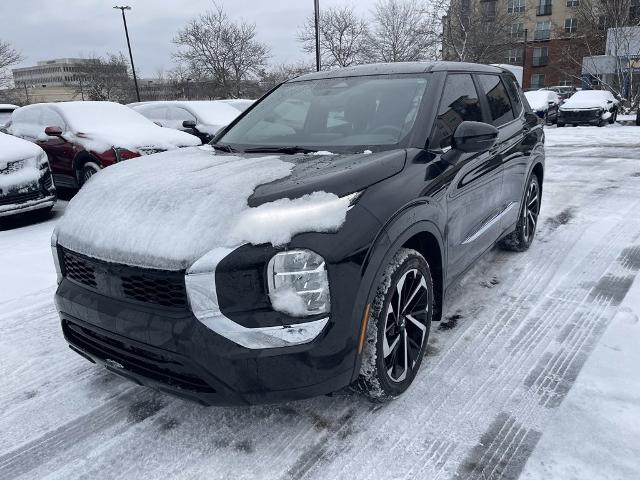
x=4 y=116
x=336 y=114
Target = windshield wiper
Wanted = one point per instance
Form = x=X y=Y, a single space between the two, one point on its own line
x=222 y=147
x=285 y=150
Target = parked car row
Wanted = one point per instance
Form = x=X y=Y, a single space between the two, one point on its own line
x=78 y=139
x=585 y=107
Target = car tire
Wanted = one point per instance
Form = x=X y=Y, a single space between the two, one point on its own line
x=87 y=171
x=614 y=117
x=386 y=372
x=520 y=239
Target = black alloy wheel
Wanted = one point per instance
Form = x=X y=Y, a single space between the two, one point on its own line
x=520 y=239
x=398 y=327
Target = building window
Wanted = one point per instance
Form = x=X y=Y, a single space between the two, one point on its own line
x=570 y=25
x=544 y=7
x=516 y=6
x=634 y=10
x=602 y=22
x=566 y=82
x=514 y=56
x=537 y=80
x=573 y=3
x=543 y=30
x=540 y=56
x=488 y=9
x=517 y=30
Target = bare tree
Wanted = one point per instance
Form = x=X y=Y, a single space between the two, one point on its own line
x=283 y=72
x=343 y=37
x=214 y=47
x=404 y=30
x=476 y=31
x=104 y=78
x=8 y=57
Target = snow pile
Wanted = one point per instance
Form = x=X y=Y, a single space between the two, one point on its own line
x=99 y=126
x=585 y=99
x=539 y=99
x=610 y=136
x=287 y=300
x=167 y=210
x=14 y=149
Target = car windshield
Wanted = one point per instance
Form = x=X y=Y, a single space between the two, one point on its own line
x=5 y=116
x=347 y=114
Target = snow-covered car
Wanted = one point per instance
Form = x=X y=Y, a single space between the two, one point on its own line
x=240 y=103
x=589 y=107
x=545 y=103
x=288 y=260
x=81 y=138
x=563 y=91
x=202 y=118
x=6 y=109
x=25 y=180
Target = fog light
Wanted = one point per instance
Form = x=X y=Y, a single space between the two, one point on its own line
x=298 y=283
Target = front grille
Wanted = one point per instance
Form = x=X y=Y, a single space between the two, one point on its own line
x=12 y=167
x=580 y=116
x=78 y=269
x=161 y=291
x=48 y=181
x=17 y=198
x=154 y=364
x=156 y=287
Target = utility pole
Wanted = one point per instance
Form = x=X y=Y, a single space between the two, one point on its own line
x=317 y=22
x=126 y=32
x=26 y=92
x=524 y=56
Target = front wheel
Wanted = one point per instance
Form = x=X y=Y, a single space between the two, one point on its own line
x=520 y=239
x=398 y=327
x=87 y=171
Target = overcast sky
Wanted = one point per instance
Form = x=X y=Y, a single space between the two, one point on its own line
x=46 y=29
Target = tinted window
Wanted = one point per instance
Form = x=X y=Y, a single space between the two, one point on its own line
x=514 y=93
x=498 y=99
x=51 y=119
x=459 y=103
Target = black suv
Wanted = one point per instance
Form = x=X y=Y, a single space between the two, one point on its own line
x=434 y=163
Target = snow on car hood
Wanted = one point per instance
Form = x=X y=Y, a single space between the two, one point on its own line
x=539 y=100
x=167 y=210
x=133 y=138
x=14 y=149
x=587 y=99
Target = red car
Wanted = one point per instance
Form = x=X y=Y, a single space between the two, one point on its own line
x=81 y=138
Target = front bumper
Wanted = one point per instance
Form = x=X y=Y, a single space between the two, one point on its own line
x=169 y=349
x=25 y=203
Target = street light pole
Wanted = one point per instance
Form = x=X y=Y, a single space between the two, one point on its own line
x=317 y=24
x=126 y=32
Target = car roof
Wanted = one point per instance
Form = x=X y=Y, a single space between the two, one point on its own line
x=399 y=68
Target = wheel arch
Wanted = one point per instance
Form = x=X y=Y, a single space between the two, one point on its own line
x=80 y=160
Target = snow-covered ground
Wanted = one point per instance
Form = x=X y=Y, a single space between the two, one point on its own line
x=501 y=394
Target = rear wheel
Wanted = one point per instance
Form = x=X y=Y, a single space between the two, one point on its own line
x=520 y=239
x=398 y=327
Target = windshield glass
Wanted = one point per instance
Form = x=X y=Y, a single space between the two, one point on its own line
x=337 y=114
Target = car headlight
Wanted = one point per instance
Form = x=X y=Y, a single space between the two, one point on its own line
x=298 y=283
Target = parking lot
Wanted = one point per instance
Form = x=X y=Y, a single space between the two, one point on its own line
x=499 y=370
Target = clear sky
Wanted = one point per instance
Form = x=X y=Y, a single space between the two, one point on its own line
x=45 y=29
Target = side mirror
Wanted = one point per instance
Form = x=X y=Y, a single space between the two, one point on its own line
x=473 y=137
x=189 y=124
x=552 y=102
x=53 y=131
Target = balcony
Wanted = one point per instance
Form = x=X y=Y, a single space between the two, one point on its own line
x=544 y=10
x=542 y=35
x=540 y=61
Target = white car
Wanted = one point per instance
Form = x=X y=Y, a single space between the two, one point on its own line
x=545 y=103
x=202 y=118
x=25 y=179
x=589 y=107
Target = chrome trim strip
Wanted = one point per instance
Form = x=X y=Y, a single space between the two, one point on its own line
x=490 y=223
x=16 y=208
x=203 y=299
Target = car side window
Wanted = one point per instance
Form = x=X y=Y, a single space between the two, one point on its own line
x=51 y=118
x=514 y=93
x=26 y=123
x=498 y=99
x=177 y=115
x=459 y=103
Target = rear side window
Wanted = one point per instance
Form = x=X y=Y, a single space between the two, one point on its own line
x=514 y=93
x=498 y=99
x=459 y=103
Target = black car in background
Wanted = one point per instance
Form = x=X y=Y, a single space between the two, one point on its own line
x=438 y=162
